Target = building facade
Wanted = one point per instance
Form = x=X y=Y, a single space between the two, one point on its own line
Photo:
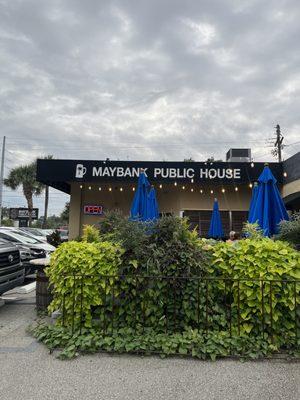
x=183 y=188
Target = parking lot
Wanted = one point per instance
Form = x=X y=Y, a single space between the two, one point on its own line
x=29 y=372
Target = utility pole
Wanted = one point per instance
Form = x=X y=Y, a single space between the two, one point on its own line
x=2 y=176
x=278 y=144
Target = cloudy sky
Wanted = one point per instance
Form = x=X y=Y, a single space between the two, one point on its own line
x=151 y=80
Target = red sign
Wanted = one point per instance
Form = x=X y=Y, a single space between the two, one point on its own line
x=93 y=210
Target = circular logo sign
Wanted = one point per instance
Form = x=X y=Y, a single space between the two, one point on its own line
x=10 y=258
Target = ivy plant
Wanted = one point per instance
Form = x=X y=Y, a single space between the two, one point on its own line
x=75 y=275
x=261 y=281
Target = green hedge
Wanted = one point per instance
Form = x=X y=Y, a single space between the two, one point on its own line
x=198 y=344
x=226 y=286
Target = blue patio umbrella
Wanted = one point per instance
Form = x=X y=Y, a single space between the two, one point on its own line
x=216 y=229
x=269 y=208
x=152 y=206
x=138 y=211
x=253 y=202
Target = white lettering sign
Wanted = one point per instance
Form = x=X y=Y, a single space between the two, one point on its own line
x=168 y=173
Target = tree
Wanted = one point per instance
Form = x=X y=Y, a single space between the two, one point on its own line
x=25 y=176
x=44 y=225
x=65 y=213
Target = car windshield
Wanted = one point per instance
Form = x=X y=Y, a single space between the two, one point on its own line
x=33 y=231
x=22 y=237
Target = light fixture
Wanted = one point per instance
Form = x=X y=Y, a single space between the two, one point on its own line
x=133 y=189
x=183 y=187
x=192 y=189
x=201 y=191
x=236 y=188
x=211 y=192
x=223 y=190
x=285 y=174
x=250 y=185
x=121 y=189
x=100 y=189
x=160 y=186
x=110 y=189
x=81 y=186
x=90 y=187
x=252 y=164
x=175 y=183
x=192 y=180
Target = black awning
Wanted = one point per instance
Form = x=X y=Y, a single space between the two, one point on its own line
x=61 y=173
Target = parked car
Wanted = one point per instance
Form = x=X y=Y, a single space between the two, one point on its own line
x=36 y=233
x=29 y=247
x=12 y=272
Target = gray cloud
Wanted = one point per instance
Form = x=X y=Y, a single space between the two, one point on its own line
x=147 y=80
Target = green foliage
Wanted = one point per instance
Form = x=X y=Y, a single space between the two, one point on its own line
x=7 y=222
x=252 y=231
x=72 y=261
x=174 y=250
x=132 y=236
x=143 y=290
x=266 y=269
x=166 y=246
x=90 y=234
x=64 y=216
x=289 y=231
x=198 y=344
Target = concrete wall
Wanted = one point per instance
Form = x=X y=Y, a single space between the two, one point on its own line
x=170 y=199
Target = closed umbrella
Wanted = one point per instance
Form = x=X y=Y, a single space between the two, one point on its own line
x=152 y=206
x=138 y=211
x=252 y=203
x=216 y=229
x=269 y=209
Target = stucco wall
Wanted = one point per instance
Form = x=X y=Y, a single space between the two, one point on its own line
x=291 y=188
x=170 y=199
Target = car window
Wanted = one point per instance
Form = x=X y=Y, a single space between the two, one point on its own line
x=32 y=231
x=21 y=237
x=9 y=238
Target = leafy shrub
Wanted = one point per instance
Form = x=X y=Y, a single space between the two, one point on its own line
x=131 y=235
x=198 y=344
x=90 y=234
x=160 y=291
x=264 y=268
x=289 y=231
x=252 y=231
x=175 y=250
x=74 y=274
x=166 y=246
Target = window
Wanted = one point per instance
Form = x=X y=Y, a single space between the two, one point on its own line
x=200 y=220
x=9 y=238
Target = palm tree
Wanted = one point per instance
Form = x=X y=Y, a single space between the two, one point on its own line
x=25 y=176
x=44 y=224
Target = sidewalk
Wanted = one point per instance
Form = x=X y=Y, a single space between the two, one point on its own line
x=28 y=372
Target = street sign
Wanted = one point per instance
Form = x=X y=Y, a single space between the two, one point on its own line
x=23 y=213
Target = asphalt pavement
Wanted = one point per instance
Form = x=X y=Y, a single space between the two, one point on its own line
x=29 y=372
